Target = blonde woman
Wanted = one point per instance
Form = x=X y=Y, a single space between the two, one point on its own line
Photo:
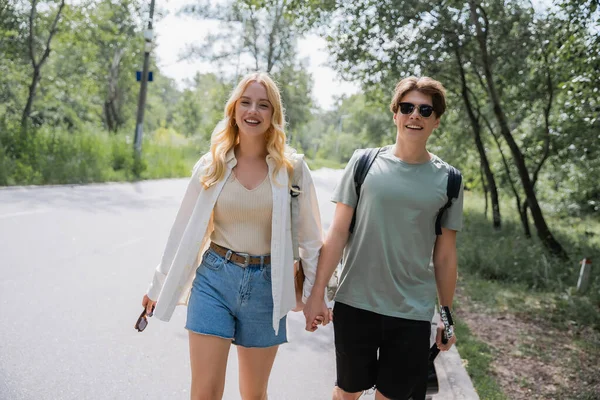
x=236 y=215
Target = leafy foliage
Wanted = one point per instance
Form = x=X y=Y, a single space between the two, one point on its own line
x=544 y=64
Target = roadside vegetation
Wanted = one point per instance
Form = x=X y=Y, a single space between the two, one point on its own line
x=525 y=331
x=522 y=126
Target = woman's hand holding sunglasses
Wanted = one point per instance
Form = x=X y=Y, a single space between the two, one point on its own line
x=142 y=321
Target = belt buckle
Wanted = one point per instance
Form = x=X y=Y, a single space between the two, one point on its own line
x=246 y=258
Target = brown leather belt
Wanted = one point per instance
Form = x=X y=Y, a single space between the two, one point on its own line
x=239 y=258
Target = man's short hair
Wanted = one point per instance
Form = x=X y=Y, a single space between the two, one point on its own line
x=424 y=85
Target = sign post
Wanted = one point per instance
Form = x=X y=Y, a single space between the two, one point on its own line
x=139 y=123
x=584 y=275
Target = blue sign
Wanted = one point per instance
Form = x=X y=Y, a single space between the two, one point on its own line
x=138 y=76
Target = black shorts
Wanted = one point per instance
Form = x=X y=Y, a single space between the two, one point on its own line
x=403 y=345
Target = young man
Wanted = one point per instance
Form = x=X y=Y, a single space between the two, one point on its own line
x=387 y=291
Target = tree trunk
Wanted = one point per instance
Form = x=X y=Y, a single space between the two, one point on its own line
x=111 y=125
x=485 y=164
x=547 y=110
x=113 y=118
x=37 y=65
x=485 y=191
x=489 y=175
x=542 y=228
x=32 y=89
x=524 y=220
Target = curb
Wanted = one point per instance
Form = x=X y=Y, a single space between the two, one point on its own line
x=453 y=380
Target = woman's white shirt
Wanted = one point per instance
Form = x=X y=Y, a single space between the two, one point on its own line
x=190 y=237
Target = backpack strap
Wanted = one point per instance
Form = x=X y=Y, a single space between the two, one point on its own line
x=364 y=163
x=294 y=204
x=452 y=191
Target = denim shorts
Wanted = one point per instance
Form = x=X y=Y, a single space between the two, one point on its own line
x=234 y=302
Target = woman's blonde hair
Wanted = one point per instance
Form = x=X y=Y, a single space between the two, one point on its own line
x=226 y=134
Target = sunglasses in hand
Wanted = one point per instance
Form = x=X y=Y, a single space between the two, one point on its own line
x=142 y=321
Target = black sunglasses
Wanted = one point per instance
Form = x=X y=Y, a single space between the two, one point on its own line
x=142 y=321
x=424 y=109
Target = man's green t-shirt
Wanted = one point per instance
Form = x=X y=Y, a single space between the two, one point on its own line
x=386 y=262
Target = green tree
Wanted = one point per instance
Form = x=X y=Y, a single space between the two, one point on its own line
x=380 y=43
x=13 y=39
x=39 y=50
x=296 y=88
x=481 y=24
x=102 y=41
x=260 y=36
x=574 y=48
x=201 y=105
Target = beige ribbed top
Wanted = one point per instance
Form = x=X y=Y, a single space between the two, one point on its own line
x=242 y=217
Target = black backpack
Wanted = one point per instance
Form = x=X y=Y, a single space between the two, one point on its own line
x=364 y=164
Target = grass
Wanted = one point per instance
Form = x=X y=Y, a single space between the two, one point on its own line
x=505 y=272
x=478 y=356
x=52 y=156
x=59 y=157
x=318 y=163
x=575 y=320
x=517 y=273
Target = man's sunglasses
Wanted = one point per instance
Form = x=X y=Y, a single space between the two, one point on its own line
x=424 y=109
x=142 y=321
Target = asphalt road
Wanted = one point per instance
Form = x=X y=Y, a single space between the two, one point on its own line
x=75 y=262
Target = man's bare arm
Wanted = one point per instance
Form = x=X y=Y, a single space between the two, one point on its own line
x=330 y=255
x=445 y=265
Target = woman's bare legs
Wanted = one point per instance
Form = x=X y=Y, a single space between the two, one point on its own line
x=208 y=359
x=255 y=369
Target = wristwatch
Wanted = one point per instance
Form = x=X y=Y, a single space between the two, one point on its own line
x=446 y=316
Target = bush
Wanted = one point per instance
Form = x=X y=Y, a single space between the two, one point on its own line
x=318 y=163
x=122 y=156
x=6 y=168
x=50 y=156
x=507 y=257
x=168 y=154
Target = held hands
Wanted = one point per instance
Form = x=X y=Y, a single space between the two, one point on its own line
x=316 y=313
